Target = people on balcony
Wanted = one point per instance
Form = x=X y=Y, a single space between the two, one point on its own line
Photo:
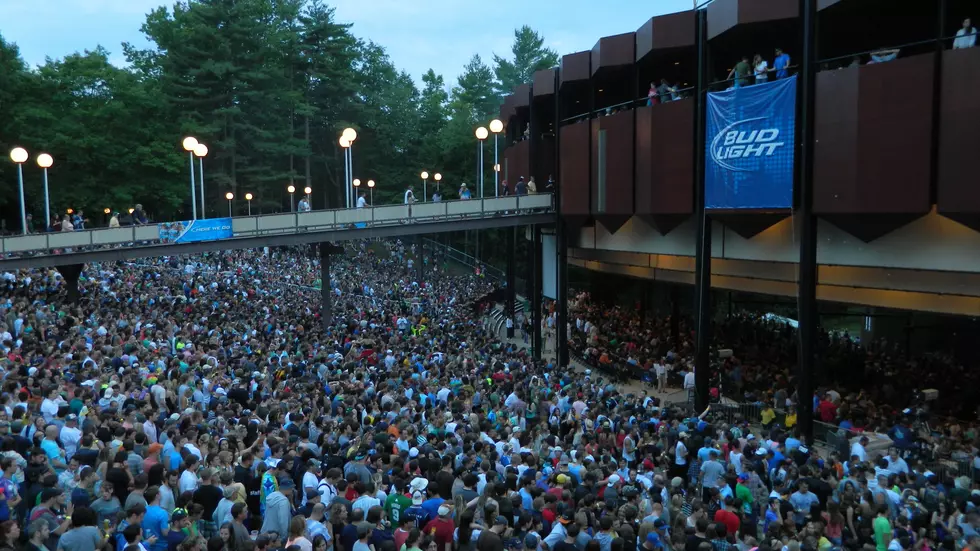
x=966 y=37
x=781 y=63
x=761 y=69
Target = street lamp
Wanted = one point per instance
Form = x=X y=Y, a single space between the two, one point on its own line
x=345 y=144
x=229 y=196
x=19 y=155
x=292 y=204
x=45 y=161
x=106 y=211
x=371 y=187
x=437 y=178
x=201 y=151
x=189 y=145
x=425 y=181
x=309 y=196
x=481 y=134
x=348 y=137
x=248 y=197
x=496 y=127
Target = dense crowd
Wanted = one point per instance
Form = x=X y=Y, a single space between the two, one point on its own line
x=196 y=403
x=873 y=388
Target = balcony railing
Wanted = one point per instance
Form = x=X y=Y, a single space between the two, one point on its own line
x=297 y=222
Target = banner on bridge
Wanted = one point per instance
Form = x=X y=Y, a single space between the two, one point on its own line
x=191 y=231
x=750 y=146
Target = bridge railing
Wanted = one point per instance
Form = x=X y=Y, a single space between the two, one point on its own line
x=250 y=226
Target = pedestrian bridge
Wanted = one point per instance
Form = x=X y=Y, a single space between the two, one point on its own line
x=247 y=232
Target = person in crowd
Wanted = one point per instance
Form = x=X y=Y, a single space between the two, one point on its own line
x=781 y=63
x=760 y=69
x=966 y=36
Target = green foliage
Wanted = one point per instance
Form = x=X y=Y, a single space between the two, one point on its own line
x=530 y=55
x=268 y=85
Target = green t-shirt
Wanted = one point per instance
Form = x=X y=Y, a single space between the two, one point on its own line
x=745 y=494
x=882 y=528
x=395 y=505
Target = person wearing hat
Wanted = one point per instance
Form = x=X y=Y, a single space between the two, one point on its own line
x=679 y=466
x=222 y=513
x=559 y=532
x=278 y=508
x=441 y=528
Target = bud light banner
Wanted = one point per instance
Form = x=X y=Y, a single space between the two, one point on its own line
x=190 y=231
x=751 y=134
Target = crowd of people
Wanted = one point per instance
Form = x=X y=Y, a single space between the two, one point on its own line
x=871 y=387
x=193 y=403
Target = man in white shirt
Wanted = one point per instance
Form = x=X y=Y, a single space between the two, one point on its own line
x=966 y=37
x=857 y=449
x=361 y=201
x=409 y=196
x=304 y=205
x=188 y=479
x=70 y=436
x=50 y=404
x=310 y=479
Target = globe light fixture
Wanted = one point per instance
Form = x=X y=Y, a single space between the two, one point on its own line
x=248 y=197
x=350 y=134
x=496 y=126
x=190 y=143
x=356 y=182
x=370 y=183
x=45 y=161
x=19 y=155
x=481 y=133
x=229 y=196
x=344 y=142
x=106 y=210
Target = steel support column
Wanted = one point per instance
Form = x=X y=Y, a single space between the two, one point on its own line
x=71 y=273
x=536 y=283
x=326 y=308
x=807 y=295
x=561 y=239
x=702 y=276
x=511 y=278
x=420 y=261
x=675 y=317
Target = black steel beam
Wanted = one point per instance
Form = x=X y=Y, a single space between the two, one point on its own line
x=807 y=294
x=274 y=240
x=536 y=342
x=702 y=270
x=326 y=310
x=511 y=293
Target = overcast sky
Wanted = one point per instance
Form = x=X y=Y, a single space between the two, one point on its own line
x=418 y=34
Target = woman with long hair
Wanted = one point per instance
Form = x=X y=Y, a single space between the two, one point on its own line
x=297 y=534
x=465 y=539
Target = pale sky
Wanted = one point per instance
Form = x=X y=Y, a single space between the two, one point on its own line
x=441 y=34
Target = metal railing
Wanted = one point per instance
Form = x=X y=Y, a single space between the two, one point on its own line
x=470 y=261
x=296 y=222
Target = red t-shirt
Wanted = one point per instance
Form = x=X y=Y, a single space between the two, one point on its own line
x=441 y=530
x=729 y=519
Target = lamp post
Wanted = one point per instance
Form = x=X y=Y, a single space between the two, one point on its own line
x=292 y=204
x=350 y=135
x=481 y=134
x=229 y=196
x=248 y=197
x=345 y=144
x=45 y=161
x=19 y=155
x=309 y=197
x=425 y=182
x=437 y=178
x=371 y=187
x=496 y=127
x=189 y=144
x=201 y=151
x=106 y=210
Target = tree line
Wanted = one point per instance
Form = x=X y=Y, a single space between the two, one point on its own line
x=268 y=85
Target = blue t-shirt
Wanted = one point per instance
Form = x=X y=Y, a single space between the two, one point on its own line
x=781 y=63
x=154 y=523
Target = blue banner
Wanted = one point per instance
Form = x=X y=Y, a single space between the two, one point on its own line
x=190 y=231
x=751 y=138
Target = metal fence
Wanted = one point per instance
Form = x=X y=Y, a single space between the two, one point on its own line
x=296 y=222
